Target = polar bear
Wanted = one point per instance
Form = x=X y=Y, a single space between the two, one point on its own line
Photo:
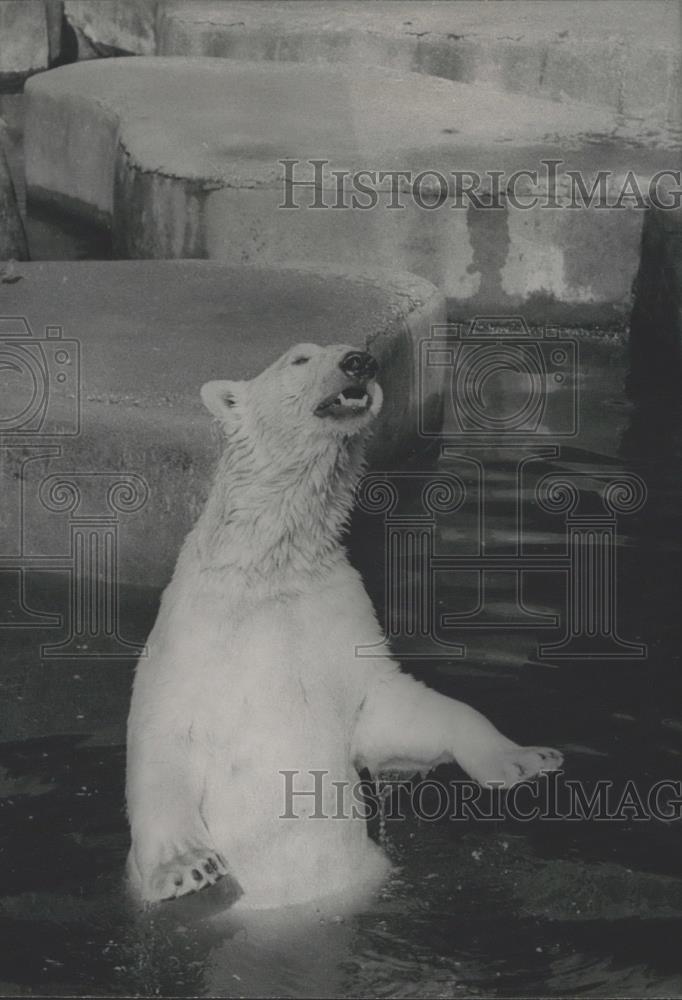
x=251 y=678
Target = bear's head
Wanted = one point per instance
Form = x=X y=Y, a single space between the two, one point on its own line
x=309 y=396
x=294 y=452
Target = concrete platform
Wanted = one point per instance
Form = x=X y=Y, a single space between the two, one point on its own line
x=624 y=56
x=138 y=341
x=182 y=158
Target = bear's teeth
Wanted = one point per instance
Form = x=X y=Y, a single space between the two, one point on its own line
x=352 y=402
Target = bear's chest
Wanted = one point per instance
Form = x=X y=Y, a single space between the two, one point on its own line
x=296 y=651
x=282 y=668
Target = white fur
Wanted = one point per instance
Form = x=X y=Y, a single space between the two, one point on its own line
x=251 y=666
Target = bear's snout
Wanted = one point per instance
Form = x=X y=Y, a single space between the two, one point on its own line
x=359 y=364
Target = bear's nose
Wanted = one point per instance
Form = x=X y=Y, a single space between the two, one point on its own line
x=359 y=364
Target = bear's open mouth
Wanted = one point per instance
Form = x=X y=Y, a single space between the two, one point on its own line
x=350 y=402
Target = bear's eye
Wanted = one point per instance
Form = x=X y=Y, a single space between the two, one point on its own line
x=300 y=361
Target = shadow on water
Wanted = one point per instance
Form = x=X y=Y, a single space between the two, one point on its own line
x=498 y=908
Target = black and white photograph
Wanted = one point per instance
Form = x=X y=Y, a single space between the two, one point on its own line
x=341 y=498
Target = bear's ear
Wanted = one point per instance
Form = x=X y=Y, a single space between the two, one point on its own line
x=220 y=397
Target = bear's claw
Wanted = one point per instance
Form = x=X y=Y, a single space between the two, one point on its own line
x=185 y=873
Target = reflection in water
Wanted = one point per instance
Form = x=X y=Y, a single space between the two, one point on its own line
x=498 y=908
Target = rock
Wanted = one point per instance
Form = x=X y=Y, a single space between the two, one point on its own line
x=24 y=41
x=112 y=27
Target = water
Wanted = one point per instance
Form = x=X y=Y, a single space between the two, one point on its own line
x=503 y=908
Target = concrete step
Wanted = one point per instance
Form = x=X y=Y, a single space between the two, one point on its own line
x=625 y=56
x=138 y=340
x=183 y=158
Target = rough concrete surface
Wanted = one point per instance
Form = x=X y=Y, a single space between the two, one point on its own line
x=625 y=56
x=112 y=27
x=148 y=335
x=23 y=40
x=182 y=156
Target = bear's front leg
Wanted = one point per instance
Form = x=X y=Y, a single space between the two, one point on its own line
x=172 y=852
x=404 y=725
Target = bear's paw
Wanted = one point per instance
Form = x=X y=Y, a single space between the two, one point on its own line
x=190 y=871
x=514 y=764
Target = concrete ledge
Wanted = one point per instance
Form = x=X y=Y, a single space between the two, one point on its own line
x=624 y=56
x=206 y=181
x=149 y=334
